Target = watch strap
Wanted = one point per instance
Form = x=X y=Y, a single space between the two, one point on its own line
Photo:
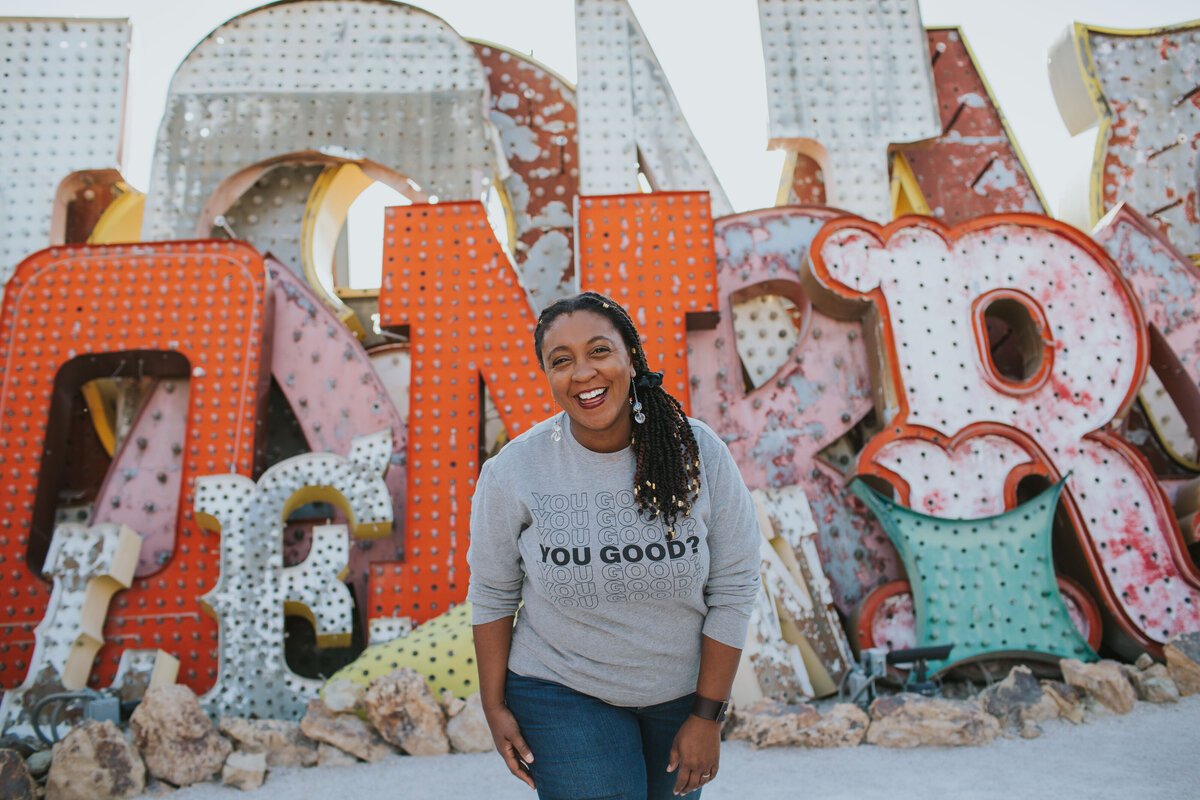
x=705 y=708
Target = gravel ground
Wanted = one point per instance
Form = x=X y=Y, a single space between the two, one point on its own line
x=1149 y=752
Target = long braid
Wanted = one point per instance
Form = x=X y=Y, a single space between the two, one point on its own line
x=667 y=478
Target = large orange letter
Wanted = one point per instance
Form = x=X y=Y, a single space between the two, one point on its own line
x=66 y=311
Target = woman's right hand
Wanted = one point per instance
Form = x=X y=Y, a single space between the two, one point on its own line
x=507 y=736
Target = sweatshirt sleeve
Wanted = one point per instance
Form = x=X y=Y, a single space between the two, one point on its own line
x=494 y=558
x=733 y=542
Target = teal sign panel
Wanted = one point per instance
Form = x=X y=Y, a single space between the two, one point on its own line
x=984 y=585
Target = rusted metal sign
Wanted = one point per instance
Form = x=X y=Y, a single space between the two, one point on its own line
x=1140 y=86
x=930 y=293
x=819 y=392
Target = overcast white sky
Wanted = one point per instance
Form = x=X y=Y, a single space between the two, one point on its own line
x=713 y=59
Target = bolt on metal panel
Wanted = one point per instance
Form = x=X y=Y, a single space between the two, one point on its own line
x=627 y=109
x=653 y=254
x=1141 y=87
x=534 y=112
x=888 y=619
x=468 y=318
x=1171 y=427
x=440 y=650
x=931 y=289
x=254 y=587
x=87 y=565
x=387 y=629
x=846 y=78
x=269 y=215
x=802 y=183
x=374 y=81
x=140 y=670
x=767 y=330
x=62 y=106
x=967 y=481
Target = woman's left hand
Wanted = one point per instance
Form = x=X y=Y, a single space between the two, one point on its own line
x=695 y=754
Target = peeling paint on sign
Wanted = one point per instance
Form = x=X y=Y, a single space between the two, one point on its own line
x=1141 y=87
x=776 y=430
x=931 y=290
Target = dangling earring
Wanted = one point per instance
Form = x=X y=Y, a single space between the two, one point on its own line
x=638 y=416
x=556 y=434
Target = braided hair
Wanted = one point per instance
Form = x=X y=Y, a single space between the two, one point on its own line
x=667 y=479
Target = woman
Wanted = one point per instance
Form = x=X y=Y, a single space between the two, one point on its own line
x=626 y=531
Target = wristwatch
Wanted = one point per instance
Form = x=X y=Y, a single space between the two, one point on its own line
x=714 y=710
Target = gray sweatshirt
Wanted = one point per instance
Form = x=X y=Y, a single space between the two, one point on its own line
x=611 y=608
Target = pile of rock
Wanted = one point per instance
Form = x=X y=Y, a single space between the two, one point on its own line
x=1019 y=704
x=171 y=740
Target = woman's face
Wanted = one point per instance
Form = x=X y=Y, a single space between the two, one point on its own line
x=589 y=370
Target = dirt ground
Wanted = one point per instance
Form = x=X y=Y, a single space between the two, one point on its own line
x=1149 y=752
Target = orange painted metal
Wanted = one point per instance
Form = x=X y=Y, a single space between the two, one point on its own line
x=653 y=254
x=448 y=282
x=68 y=311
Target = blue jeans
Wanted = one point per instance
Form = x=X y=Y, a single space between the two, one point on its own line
x=586 y=749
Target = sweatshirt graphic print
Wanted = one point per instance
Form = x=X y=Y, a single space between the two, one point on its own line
x=609 y=606
x=626 y=557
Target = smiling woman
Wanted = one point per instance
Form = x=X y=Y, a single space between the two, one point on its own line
x=590 y=376
x=623 y=530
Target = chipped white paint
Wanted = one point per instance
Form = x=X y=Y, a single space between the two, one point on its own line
x=88 y=566
x=846 y=78
x=805 y=599
x=777 y=430
x=255 y=588
x=139 y=670
x=930 y=284
x=967 y=482
x=627 y=108
x=778 y=665
x=385 y=629
x=797 y=648
x=1169 y=423
x=1141 y=86
x=314 y=584
x=1167 y=284
x=270 y=214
